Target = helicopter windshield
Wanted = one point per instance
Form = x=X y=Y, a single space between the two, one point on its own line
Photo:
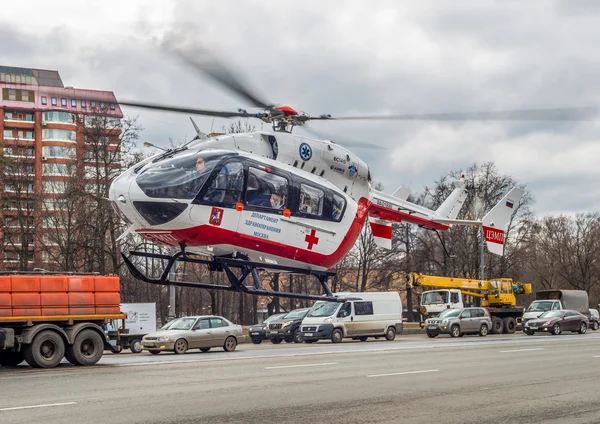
x=180 y=177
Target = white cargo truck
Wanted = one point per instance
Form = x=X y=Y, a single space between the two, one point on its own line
x=141 y=320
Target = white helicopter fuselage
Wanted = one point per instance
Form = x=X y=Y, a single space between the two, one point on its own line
x=307 y=232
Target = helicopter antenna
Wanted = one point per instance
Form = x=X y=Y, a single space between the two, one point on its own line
x=199 y=134
x=211 y=125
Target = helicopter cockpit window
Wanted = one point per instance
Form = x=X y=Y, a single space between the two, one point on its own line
x=311 y=200
x=339 y=203
x=266 y=190
x=180 y=177
x=226 y=187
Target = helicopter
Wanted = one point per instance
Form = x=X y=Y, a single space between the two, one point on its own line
x=278 y=201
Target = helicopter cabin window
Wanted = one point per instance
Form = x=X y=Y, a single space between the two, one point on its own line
x=179 y=177
x=266 y=190
x=226 y=187
x=339 y=203
x=311 y=200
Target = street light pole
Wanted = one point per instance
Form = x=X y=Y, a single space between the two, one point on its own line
x=172 y=277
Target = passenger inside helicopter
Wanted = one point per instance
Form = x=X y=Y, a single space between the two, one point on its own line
x=266 y=190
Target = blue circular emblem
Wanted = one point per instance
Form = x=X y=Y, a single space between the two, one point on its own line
x=305 y=152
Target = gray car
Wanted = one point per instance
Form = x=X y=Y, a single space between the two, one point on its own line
x=458 y=322
x=199 y=332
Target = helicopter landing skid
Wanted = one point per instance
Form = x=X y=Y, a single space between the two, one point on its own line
x=236 y=283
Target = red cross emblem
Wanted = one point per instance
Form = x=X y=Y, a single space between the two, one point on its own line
x=311 y=239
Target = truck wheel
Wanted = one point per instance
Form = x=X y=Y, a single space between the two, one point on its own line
x=556 y=329
x=230 y=344
x=595 y=325
x=455 y=331
x=582 y=328
x=45 y=351
x=390 y=334
x=510 y=325
x=87 y=348
x=136 y=346
x=11 y=359
x=498 y=325
x=180 y=347
x=483 y=331
x=337 y=336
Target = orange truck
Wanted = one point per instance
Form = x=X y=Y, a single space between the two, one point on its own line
x=45 y=317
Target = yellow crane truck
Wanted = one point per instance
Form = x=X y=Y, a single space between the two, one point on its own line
x=497 y=295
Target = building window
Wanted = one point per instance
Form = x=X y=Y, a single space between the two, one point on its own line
x=19 y=134
x=58 y=152
x=29 y=135
x=112 y=106
x=8 y=134
x=29 y=117
x=25 y=95
x=93 y=104
x=54 y=103
x=54 y=169
x=73 y=103
x=29 y=152
x=83 y=104
x=44 y=100
x=12 y=94
x=54 y=186
x=56 y=134
x=8 y=116
x=102 y=105
x=63 y=102
x=66 y=117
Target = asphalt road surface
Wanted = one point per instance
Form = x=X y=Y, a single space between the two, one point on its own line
x=496 y=379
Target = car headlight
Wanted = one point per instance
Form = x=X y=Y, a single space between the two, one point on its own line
x=547 y=323
x=286 y=324
x=444 y=321
x=328 y=320
x=163 y=339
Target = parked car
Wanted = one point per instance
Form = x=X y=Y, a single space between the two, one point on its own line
x=458 y=322
x=199 y=332
x=363 y=315
x=258 y=332
x=594 y=319
x=555 y=322
x=287 y=327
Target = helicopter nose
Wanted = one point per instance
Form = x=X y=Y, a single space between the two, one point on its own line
x=120 y=200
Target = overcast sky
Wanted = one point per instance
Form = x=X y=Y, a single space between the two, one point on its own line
x=348 y=58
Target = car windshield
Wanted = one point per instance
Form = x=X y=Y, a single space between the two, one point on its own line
x=169 y=324
x=179 y=177
x=540 y=305
x=272 y=317
x=435 y=297
x=449 y=313
x=552 y=314
x=296 y=314
x=183 y=324
x=323 y=309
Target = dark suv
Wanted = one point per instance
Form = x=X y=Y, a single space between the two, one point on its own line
x=287 y=327
x=258 y=332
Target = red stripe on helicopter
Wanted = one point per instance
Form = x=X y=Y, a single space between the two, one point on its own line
x=381 y=230
x=207 y=235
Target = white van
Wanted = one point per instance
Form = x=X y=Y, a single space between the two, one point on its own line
x=363 y=315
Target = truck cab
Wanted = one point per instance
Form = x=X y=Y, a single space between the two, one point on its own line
x=538 y=307
x=435 y=301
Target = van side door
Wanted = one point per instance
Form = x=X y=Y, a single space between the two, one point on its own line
x=364 y=322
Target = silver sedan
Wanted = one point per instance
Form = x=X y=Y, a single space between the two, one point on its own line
x=199 y=332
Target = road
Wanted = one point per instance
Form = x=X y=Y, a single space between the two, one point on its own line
x=519 y=379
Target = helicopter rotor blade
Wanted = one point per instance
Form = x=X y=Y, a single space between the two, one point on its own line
x=344 y=141
x=558 y=114
x=188 y=110
x=218 y=72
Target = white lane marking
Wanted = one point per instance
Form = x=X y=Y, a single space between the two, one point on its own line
x=596 y=356
x=14 y=408
x=402 y=373
x=301 y=365
x=522 y=350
